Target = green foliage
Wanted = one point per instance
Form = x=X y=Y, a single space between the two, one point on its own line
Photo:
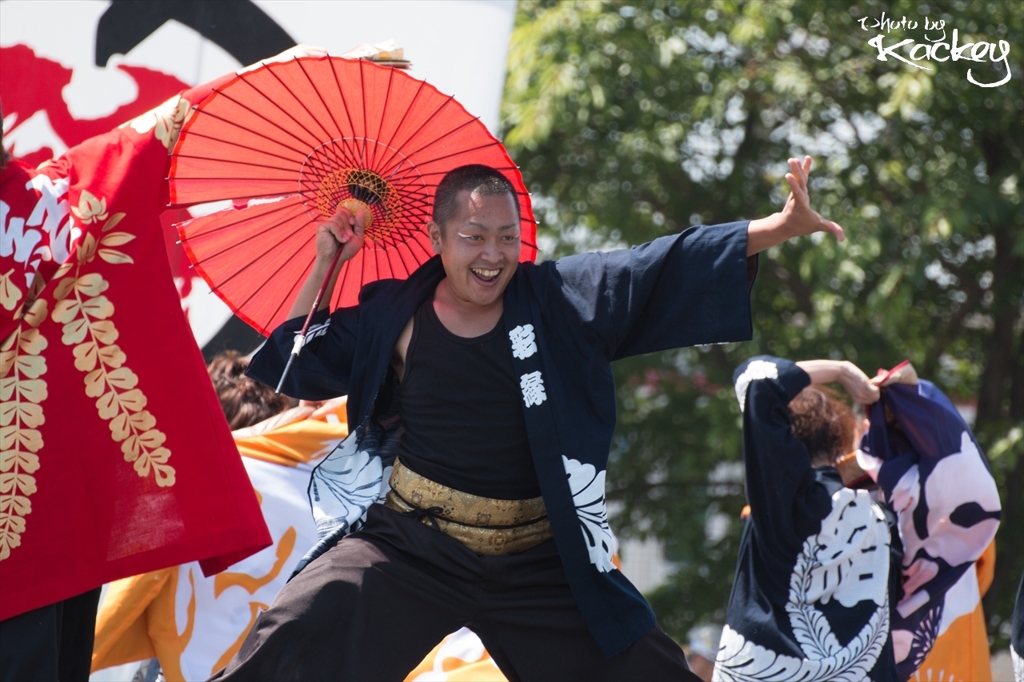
x=633 y=121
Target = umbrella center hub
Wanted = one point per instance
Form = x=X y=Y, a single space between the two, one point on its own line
x=327 y=184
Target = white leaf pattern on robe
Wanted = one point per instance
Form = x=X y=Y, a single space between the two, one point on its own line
x=758 y=369
x=853 y=542
x=849 y=543
x=587 y=486
x=344 y=486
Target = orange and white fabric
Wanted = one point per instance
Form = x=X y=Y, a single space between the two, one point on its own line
x=193 y=624
x=460 y=657
x=960 y=653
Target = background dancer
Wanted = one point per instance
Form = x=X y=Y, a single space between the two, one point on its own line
x=811 y=593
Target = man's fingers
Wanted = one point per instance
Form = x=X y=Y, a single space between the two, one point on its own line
x=343 y=220
x=799 y=192
x=359 y=221
x=794 y=168
x=339 y=225
x=342 y=216
x=798 y=172
x=336 y=230
x=347 y=226
x=836 y=230
x=807 y=167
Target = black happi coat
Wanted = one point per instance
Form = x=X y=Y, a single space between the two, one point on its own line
x=810 y=598
x=566 y=321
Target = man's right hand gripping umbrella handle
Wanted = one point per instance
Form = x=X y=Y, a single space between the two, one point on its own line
x=346 y=228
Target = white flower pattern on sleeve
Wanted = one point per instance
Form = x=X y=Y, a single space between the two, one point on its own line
x=533 y=388
x=524 y=341
x=758 y=369
x=587 y=487
x=847 y=560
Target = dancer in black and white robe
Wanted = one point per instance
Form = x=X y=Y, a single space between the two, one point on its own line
x=810 y=598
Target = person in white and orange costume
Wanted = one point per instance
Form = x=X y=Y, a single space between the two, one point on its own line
x=193 y=624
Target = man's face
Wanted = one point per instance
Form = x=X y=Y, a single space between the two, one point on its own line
x=479 y=247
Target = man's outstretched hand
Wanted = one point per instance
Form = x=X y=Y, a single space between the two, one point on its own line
x=796 y=219
x=798 y=216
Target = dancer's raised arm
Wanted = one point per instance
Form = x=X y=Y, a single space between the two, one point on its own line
x=853 y=378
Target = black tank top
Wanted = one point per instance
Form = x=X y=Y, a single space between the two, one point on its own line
x=463 y=412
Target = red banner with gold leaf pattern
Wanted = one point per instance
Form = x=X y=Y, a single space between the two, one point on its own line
x=115 y=458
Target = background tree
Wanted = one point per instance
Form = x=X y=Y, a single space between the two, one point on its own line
x=633 y=121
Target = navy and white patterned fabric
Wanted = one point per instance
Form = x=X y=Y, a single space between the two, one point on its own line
x=935 y=477
x=566 y=320
x=810 y=599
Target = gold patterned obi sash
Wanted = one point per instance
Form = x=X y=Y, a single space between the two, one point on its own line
x=485 y=525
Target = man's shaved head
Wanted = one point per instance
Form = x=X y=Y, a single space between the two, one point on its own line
x=483 y=180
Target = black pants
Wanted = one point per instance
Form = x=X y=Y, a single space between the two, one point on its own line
x=50 y=644
x=373 y=606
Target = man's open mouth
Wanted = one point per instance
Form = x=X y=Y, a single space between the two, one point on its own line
x=485 y=275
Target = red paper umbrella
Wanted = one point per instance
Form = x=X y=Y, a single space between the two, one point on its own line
x=289 y=142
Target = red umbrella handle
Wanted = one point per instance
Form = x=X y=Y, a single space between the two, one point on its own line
x=300 y=338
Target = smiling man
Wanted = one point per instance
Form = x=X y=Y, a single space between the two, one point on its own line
x=472 y=490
